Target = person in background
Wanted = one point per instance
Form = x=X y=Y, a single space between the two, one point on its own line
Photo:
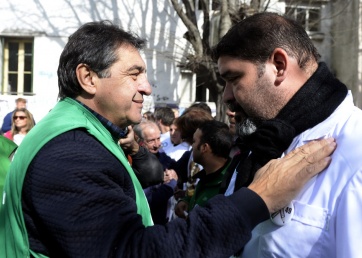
x=232 y=127
x=201 y=105
x=23 y=122
x=185 y=167
x=75 y=194
x=164 y=117
x=148 y=135
x=176 y=112
x=283 y=97
x=211 y=146
x=148 y=115
x=176 y=152
x=179 y=146
x=20 y=103
x=148 y=170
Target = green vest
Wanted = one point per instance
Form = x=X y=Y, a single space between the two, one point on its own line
x=7 y=147
x=68 y=114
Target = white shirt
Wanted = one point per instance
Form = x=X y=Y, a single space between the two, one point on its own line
x=177 y=151
x=166 y=142
x=327 y=220
x=18 y=138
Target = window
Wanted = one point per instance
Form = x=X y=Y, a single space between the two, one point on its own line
x=308 y=16
x=18 y=67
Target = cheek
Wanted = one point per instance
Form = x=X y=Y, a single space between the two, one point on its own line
x=239 y=94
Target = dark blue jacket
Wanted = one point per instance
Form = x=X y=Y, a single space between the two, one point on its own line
x=6 y=126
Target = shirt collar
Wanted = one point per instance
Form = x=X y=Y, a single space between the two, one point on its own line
x=112 y=128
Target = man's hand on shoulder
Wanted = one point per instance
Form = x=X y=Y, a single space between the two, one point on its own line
x=280 y=180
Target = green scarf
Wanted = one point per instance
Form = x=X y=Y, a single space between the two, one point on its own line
x=67 y=115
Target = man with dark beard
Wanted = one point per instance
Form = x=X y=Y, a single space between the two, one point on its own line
x=283 y=97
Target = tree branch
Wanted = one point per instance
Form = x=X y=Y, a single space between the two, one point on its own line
x=193 y=33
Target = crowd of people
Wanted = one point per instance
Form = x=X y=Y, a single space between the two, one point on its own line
x=98 y=178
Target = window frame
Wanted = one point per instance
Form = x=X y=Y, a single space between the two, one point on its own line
x=307 y=23
x=21 y=63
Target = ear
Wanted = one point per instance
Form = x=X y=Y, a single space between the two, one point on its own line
x=205 y=147
x=280 y=60
x=87 y=78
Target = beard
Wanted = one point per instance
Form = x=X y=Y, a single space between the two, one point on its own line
x=247 y=126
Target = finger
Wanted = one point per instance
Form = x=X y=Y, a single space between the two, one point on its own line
x=311 y=170
x=315 y=162
x=321 y=153
x=309 y=149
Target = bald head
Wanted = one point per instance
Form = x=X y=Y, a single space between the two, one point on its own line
x=148 y=134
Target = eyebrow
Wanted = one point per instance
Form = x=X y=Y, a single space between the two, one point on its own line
x=137 y=67
x=231 y=73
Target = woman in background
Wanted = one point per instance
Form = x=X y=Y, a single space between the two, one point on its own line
x=22 y=123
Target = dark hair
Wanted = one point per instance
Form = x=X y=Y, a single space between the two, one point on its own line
x=149 y=115
x=218 y=136
x=255 y=38
x=201 y=105
x=165 y=114
x=190 y=120
x=94 y=44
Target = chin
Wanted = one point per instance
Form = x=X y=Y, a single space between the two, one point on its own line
x=135 y=120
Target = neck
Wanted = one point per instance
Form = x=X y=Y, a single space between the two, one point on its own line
x=164 y=128
x=213 y=164
x=22 y=130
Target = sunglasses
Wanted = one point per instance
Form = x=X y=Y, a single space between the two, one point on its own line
x=20 y=117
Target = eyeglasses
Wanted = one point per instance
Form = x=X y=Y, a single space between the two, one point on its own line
x=20 y=117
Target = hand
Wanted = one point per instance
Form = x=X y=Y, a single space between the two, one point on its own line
x=169 y=174
x=181 y=209
x=129 y=144
x=280 y=180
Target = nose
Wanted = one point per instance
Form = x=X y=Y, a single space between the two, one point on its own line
x=229 y=113
x=144 y=86
x=228 y=95
x=157 y=143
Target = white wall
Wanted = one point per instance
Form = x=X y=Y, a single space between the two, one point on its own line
x=51 y=22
